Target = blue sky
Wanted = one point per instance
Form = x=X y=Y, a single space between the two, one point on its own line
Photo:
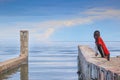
x=59 y=20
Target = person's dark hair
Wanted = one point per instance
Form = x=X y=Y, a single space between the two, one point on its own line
x=97 y=33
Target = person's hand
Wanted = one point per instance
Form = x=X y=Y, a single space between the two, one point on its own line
x=96 y=54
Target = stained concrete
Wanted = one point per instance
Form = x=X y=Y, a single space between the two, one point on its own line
x=96 y=68
x=22 y=69
x=24 y=43
x=12 y=63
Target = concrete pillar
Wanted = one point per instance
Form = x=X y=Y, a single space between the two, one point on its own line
x=24 y=72
x=24 y=43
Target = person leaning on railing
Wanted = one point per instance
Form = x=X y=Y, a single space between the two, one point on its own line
x=101 y=46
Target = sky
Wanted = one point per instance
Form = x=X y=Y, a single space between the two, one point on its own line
x=59 y=20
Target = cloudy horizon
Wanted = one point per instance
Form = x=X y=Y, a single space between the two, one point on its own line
x=59 y=20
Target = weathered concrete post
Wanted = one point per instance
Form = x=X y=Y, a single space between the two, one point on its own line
x=24 y=43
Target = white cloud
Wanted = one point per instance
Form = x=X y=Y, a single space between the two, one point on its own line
x=98 y=13
x=43 y=30
x=45 y=36
x=91 y=15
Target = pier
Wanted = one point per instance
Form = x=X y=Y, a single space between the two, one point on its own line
x=96 y=68
x=21 y=59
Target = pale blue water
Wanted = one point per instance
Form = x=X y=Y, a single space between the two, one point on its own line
x=55 y=61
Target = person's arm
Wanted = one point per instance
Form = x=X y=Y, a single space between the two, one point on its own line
x=101 y=50
x=96 y=50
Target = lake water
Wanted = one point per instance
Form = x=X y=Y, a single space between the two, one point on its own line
x=55 y=61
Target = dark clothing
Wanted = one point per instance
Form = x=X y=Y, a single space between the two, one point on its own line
x=100 y=50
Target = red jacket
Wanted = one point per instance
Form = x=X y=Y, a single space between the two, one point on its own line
x=101 y=42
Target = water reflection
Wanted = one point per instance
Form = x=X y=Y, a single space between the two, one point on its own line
x=22 y=71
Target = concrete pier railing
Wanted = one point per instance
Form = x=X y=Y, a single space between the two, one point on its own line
x=96 y=68
x=23 y=57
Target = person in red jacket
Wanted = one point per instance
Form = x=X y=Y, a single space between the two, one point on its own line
x=101 y=45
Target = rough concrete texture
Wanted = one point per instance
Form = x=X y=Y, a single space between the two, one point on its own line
x=12 y=63
x=23 y=71
x=97 y=68
x=24 y=43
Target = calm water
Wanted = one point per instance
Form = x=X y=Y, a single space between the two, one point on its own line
x=56 y=61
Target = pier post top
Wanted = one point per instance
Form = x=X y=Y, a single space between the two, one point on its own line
x=23 y=30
